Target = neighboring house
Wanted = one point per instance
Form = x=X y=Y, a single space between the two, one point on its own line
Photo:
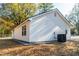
x=42 y=27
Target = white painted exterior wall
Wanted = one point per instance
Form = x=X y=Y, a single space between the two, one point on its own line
x=42 y=28
x=17 y=34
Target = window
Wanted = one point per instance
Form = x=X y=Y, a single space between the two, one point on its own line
x=24 y=30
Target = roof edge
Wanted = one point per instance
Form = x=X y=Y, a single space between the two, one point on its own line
x=64 y=18
x=29 y=19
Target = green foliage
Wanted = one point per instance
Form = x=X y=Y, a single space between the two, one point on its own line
x=74 y=17
x=77 y=27
x=19 y=12
x=5 y=27
x=43 y=7
x=12 y=14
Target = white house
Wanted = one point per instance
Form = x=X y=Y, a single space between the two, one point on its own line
x=42 y=27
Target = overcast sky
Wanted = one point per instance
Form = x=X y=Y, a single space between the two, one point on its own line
x=65 y=8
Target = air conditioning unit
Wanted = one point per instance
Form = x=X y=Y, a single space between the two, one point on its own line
x=61 y=37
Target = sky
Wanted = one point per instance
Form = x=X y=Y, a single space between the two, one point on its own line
x=64 y=8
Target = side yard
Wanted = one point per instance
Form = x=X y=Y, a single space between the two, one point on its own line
x=75 y=38
x=11 y=48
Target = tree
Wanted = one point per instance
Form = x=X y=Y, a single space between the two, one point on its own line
x=43 y=7
x=77 y=27
x=12 y=14
x=74 y=17
x=5 y=27
x=18 y=12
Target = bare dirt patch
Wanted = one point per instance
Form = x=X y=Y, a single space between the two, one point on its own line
x=11 y=48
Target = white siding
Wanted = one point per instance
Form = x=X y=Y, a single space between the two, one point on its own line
x=18 y=33
x=42 y=28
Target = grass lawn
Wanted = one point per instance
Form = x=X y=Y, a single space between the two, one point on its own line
x=11 y=48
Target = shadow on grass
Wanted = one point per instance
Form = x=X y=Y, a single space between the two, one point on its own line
x=8 y=43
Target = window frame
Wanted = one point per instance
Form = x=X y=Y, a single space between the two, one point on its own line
x=24 y=30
